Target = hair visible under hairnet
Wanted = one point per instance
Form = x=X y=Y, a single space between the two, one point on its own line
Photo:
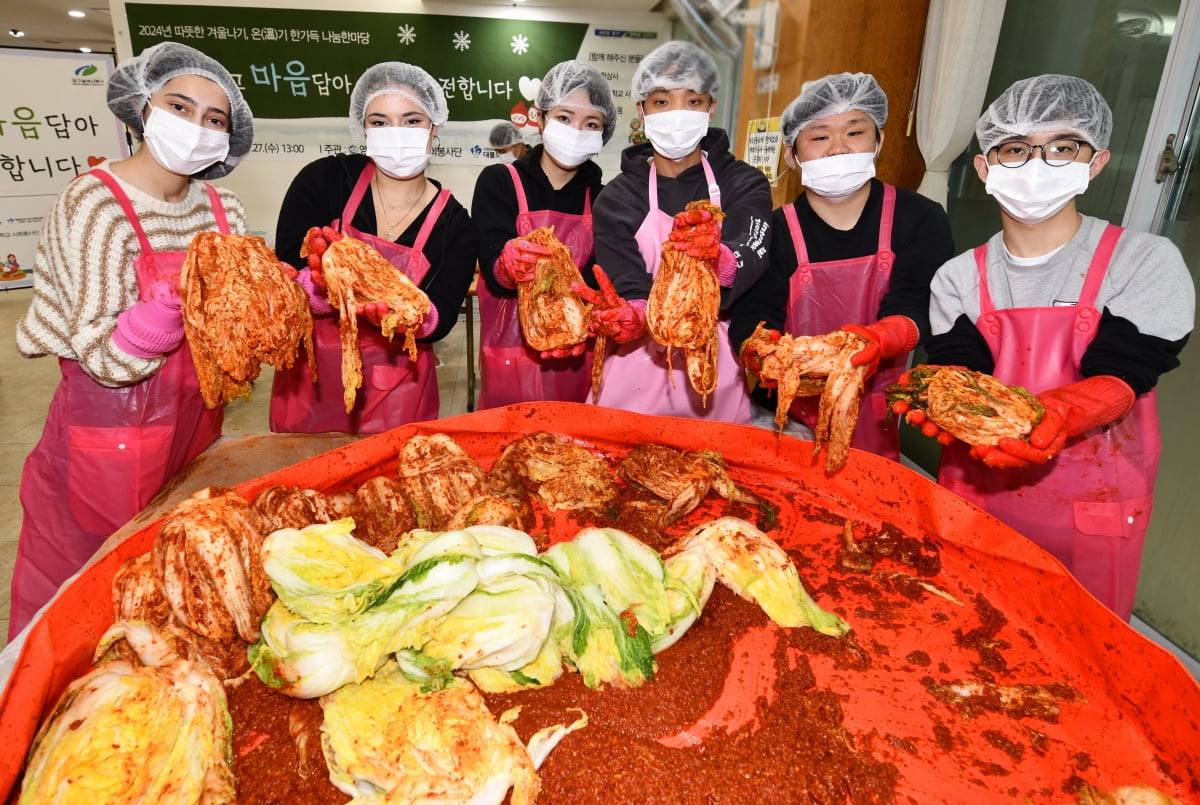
x=1046 y=103
x=504 y=135
x=676 y=65
x=137 y=78
x=833 y=95
x=567 y=77
x=397 y=78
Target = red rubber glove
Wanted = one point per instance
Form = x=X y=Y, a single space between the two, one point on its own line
x=753 y=361
x=565 y=352
x=919 y=420
x=374 y=313
x=890 y=337
x=695 y=232
x=1070 y=410
x=317 y=300
x=316 y=241
x=612 y=316
x=518 y=260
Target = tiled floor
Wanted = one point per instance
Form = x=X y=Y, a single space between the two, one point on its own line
x=26 y=387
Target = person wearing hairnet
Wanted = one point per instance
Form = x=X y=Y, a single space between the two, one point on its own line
x=643 y=208
x=128 y=413
x=851 y=252
x=505 y=139
x=1084 y=314
x=553 y=185
x=384 y=199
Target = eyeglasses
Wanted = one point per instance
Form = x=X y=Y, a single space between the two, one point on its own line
x=1055 y=153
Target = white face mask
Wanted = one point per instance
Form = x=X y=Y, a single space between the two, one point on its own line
x=504 y=157
x=677 y=132
x=839 y=176
x=1035 y=191
x=399 y=151
x=181 y=146
x=570 y=146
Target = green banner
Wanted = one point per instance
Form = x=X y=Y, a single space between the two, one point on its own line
x=294 y=63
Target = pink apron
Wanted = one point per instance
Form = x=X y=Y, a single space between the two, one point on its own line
x=509 y=371
x=635 y=374
x=395 y=390
x=824 y=296
x=1090 y=505
x=105 y=452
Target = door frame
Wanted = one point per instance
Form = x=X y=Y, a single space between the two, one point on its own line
x=1176 y=95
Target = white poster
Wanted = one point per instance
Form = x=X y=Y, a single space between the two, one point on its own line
x=54 y=125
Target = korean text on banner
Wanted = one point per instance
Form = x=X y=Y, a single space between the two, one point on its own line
x=54 y=125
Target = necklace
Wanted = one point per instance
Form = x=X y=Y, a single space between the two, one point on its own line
x=391 y=227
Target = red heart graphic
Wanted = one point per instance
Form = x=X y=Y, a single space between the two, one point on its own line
x=94 y=161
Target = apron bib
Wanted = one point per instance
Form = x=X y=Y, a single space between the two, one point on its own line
x=105 y=452
x=824 y=296
x=1090 y=505
x=509 y=370
x=395 y=390
x=636 y=375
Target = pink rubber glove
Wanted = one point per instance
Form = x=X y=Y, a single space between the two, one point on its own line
x=316 y=298
x=612 y=316
x=151 y=327
x=518 y=260
x=890 y=337
x=727 y=266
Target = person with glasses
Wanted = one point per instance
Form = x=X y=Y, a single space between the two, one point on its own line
x=851 y=252
x=1084 y=314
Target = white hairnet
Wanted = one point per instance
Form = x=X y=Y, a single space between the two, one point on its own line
x=676 y=65
x=137 y=78
x=397 y=78
x=567 y=77
x=831 y=96
x=1046 y=103
x=504 y=135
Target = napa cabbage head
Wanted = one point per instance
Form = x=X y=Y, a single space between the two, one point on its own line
x=323 y=573
x=125 y=733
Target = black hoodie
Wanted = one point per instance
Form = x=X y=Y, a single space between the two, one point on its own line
x=494 y=206
x=624 y=204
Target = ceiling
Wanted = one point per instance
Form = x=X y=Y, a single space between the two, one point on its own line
x=47 y=25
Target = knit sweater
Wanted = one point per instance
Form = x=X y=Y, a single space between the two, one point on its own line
x=84 y=271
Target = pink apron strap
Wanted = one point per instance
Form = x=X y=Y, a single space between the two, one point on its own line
x=1098 y=268
x=435 y=212
x=126 y=207
x=522 y=201
x=714 y=190
x=587 y=207
x=985 y=297
x=356 y=195
x=218 y=209
x=793 y=223
x=889 y=215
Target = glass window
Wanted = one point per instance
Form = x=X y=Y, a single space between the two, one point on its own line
x=1120 y=50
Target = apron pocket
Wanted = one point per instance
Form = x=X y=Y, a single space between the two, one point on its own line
x=113 y=472
x=509 y=375
x=1117 y=518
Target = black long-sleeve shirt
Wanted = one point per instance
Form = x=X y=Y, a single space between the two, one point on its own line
x=921 y=241
x=745 y=199
x=318 y=195
x=494 y=207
